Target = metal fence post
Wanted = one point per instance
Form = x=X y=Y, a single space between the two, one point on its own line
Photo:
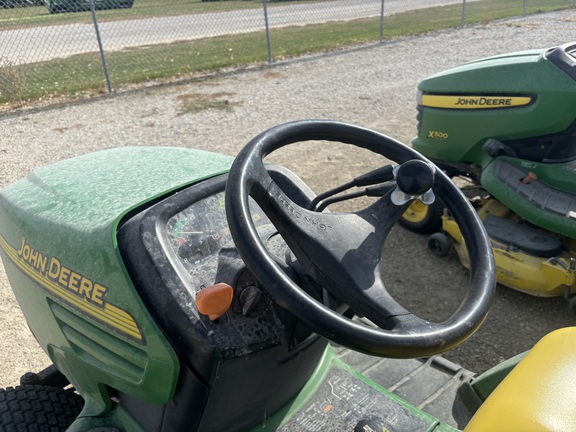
x=100 y=47
x=265 y=5
x=524 y=7
x=463 y=13
x=382 y=22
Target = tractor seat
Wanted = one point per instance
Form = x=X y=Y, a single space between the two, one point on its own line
x=538 y=394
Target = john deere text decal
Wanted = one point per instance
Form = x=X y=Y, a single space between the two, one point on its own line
x=474 y=102
x=72 y=288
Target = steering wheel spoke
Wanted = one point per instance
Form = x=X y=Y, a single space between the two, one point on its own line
x=342 y=252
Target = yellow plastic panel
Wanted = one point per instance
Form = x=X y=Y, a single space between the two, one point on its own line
x=538 y=395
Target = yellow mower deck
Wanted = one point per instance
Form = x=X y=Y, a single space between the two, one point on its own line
x=537 y=276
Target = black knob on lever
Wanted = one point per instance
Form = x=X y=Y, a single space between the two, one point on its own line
x=414 y=180
x=415 y=177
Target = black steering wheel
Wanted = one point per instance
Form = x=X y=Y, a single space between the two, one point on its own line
x=343 y=251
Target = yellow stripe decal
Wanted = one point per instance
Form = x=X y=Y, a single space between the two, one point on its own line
x=72 y=288
x=474 y=102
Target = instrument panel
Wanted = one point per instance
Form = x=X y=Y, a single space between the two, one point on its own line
x=199 y=234
x=182 y=244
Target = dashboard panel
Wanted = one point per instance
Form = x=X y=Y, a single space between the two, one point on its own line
x=182 y=244
x=176 y=246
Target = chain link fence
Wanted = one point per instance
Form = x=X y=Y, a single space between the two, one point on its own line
x=50 y=48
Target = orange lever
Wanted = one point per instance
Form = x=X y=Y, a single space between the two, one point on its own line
x=214 y=300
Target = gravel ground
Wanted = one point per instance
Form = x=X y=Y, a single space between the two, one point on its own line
x=371 y=86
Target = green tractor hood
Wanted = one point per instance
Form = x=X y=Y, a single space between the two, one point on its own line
x=58 y=243
x=524 y=100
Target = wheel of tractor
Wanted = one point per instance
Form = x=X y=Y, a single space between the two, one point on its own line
x=38 y=408
x=440 y=244
x=423 y=219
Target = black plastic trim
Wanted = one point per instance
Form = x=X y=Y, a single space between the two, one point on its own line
x=560 y=58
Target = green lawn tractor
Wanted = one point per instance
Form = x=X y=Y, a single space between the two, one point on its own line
x=505 y=128
x=180 y=290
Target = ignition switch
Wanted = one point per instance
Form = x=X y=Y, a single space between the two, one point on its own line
x=250 y=299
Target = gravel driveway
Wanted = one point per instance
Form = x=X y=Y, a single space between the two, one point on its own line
x=371 y=86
